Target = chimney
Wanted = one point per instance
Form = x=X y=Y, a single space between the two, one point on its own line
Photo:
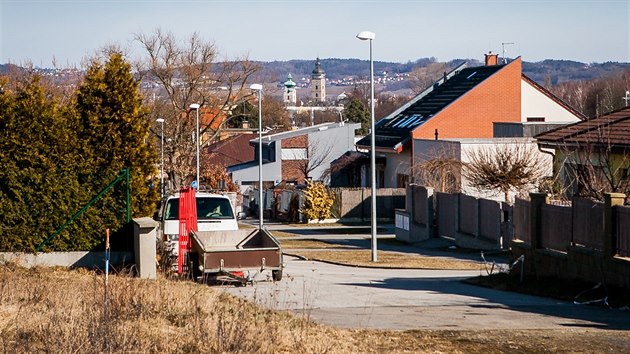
x=492 y=59
x=245 y=124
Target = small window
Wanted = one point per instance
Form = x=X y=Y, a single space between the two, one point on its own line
x=316 y=88
x=316 y=95
x=535 y=119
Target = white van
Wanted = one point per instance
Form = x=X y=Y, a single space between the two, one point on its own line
x=214 y=213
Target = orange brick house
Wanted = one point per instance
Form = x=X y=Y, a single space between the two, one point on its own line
x=464 y=104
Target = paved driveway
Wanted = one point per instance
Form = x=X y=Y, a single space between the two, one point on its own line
x=415 y=299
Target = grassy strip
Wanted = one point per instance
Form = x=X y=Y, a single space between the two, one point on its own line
x=387 y=259
x=291 y=244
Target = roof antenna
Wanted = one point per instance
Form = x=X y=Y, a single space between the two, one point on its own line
x=503 y=49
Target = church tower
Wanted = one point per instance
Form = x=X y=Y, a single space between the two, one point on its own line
x=318 y=83
x=290 y=92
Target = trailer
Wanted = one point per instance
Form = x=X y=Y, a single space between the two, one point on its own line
x=234 y=253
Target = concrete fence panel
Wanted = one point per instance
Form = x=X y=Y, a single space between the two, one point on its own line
x=490 y=222
x=556 y=225
x=520 y=220
x=421 y=205
x=588 y=223
x=623 y=230
x=468 y=215
x=447 y=214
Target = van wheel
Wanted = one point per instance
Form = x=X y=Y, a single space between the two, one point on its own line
x=276 y=275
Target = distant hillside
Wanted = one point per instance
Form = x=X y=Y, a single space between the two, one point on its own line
x=556 y=71
x=543 y=72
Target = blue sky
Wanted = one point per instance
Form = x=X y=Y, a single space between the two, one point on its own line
x=69 y=30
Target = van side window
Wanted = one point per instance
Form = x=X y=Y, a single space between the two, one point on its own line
x=172 y=210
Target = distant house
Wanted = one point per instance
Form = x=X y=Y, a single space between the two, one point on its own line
x=296 y=155
x=592 y=156
x=352 y=170
x=463 y=104
x=231 y=151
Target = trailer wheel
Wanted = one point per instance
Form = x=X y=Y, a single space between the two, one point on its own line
x=276 y=275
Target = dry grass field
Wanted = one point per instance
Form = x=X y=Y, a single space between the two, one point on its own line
x=61 y=311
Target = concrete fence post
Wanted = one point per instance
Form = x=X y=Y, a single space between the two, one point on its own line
x=610 y=234
x=144 y=241
x=535 y=217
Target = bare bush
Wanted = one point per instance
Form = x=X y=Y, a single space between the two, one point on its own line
x=508 y=167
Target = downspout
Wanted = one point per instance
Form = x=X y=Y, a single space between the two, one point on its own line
x=553 y=160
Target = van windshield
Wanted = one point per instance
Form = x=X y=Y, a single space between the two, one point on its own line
x=207 y=208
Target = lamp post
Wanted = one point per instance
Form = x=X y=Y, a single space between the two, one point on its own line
x=195 y=106
x=365 y=36
x=259 y=88
x=161 y=121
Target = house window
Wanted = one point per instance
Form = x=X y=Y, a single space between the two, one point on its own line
x=535 y=119
x=316 y=87
x=316 y=95
x=402 y=180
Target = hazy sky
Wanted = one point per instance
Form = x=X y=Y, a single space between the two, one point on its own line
x=69 y=30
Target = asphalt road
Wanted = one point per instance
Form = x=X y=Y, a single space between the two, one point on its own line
x=414 y=299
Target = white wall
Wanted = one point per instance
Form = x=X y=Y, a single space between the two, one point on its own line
x=396 y=164
x=536 y=104
x=461 y=148
x=331 y=144
x=294 y=154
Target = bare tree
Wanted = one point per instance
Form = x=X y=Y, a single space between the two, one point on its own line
x=316 y=154
x=440 y=169
x=508 y=167
x=179 y=73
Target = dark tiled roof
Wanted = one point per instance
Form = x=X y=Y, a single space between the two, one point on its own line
x=396 y=130
x=610 y=129
x=231 y=151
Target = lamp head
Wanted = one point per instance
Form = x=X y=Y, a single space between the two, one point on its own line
x=194 y=106
x=365 y=35
x=256 y=87
x=160 y=120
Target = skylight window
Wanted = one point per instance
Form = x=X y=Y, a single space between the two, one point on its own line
x=417 y=121
x=399 y=122
x=471 y=75
x=409 y=121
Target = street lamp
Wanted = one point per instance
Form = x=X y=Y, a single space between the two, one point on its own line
x=195 y=106
x=161 y=121
x=259 y=89
x=364 y=36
